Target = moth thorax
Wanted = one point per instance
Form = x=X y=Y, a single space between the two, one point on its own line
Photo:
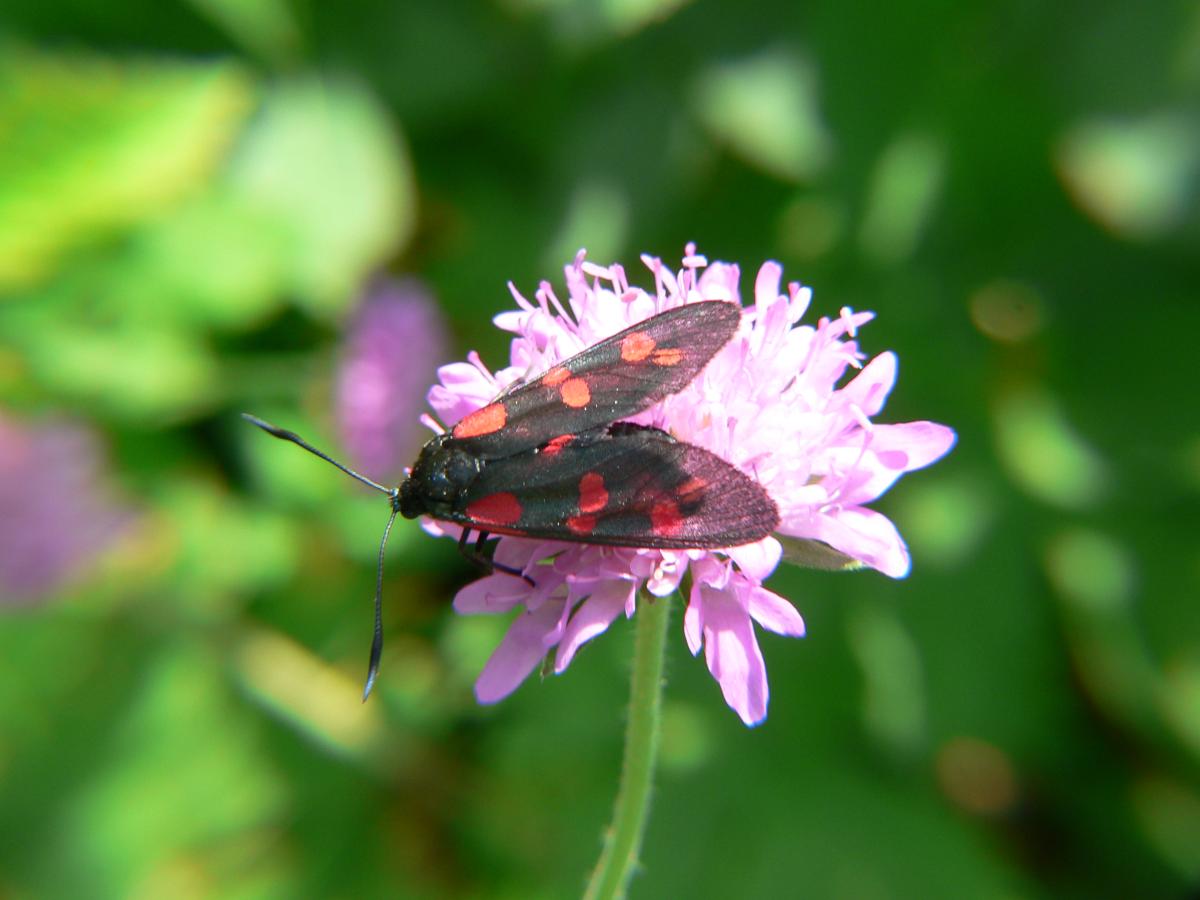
x=440 y=475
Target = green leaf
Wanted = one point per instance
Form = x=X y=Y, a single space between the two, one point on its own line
x=215 y=261
x=813 y=554
x=765 y=108
x=323 y=161
x=1133 y=176
x=136 y=370
x=90 y=147
x=267 y=28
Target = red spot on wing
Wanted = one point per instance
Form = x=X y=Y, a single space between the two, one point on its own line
x=581 y=524
x=576 y=393
x=483 y=421
x=592 y=495
x=495 y=509
x=665 y=520
x=637 y=346
x=555 y=445
x=692 y=489
x=556 y=376
x=667 y=357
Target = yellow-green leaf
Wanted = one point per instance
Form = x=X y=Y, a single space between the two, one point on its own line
x=89 y=146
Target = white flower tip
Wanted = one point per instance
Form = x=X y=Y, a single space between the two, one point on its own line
x=894 y=564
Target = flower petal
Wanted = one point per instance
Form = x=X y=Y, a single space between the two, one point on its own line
x=592 y=617
x=463 y=378
x=911 y=445
x=893 y=450
x=693 y=620
x=766 y=285
x=774 y=613
x=870 y=388
x=720 y=282
x=462 y=389
x=668 y=572
x=523 y=647
x=733 y=657
x=757 y=560
x=513 y=320
x=495 y=593
x=863 y=534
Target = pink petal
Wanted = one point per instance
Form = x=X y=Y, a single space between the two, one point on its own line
x=863 y=534
x=911 y=445
x=871 y=386
x=463 y=376
x=710 y=571
x=757 y=560
x=893 y=450
x=665 y=577
x=495 y=593
x=799 y=299
x=693 y=620
x=465 y=380
x=720 y=282
x=733 y=657
x=592 y=617
x=462 y=388
x=766 y=286
x=512 y=320
x=523 y=647
x=774 y=612
x=440 y=529
x=525 y=553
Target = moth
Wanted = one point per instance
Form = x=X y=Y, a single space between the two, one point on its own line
x=551 y=457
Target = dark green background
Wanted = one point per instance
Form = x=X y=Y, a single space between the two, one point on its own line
x=192 y=196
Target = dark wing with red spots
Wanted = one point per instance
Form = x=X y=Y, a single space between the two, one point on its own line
x=625 y=486
x=616 y=378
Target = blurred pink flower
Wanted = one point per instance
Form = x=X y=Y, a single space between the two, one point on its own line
x=768 y=402
x=391 y=351
x=56 y=513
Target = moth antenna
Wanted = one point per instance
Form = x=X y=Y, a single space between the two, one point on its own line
x=285 y=435
x=377 y=639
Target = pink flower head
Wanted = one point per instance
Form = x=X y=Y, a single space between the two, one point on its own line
x=391 y=349
x=57 y=511
x=768 y=402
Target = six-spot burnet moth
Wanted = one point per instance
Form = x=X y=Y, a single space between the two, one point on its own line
x=550 y=459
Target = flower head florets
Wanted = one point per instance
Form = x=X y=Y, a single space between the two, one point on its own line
x=768 y=402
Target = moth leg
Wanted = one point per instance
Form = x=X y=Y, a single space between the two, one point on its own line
x=476 y=555
x=491 y=563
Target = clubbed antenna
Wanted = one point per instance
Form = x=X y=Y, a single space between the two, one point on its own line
x=284 y=435
x=377 y=639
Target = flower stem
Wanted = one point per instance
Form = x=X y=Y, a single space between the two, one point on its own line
x=623 y=841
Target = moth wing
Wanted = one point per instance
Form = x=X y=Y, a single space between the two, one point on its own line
x=630 y=487
x=610 y=380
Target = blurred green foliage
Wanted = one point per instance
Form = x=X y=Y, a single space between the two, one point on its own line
x=194 y=195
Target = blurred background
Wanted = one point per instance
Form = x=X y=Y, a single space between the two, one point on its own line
x=301 y=209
